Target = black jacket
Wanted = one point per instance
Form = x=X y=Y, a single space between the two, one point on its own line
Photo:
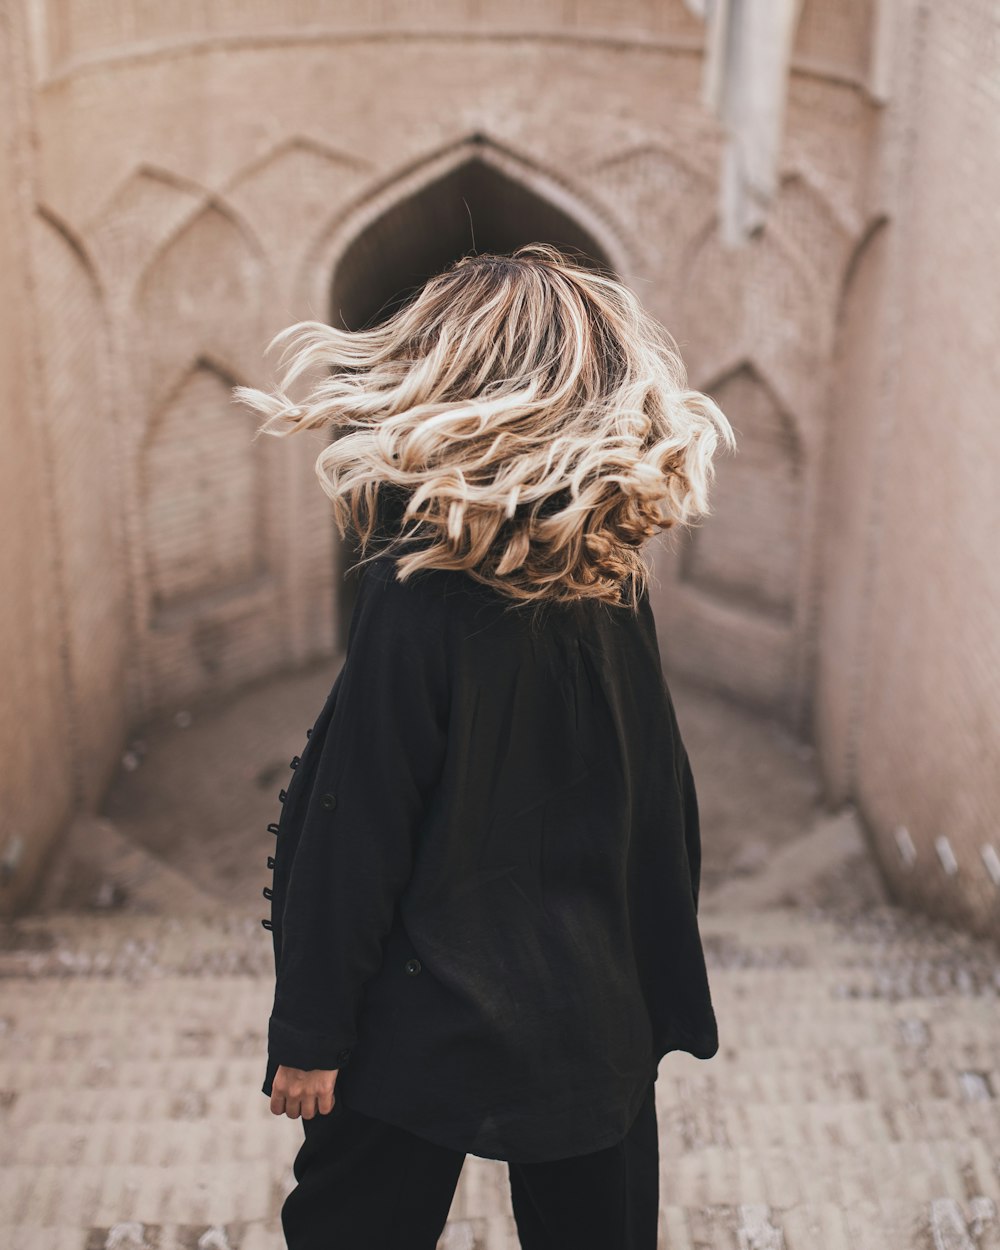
x=486 y=872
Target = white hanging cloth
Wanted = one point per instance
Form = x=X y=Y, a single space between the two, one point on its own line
x=747 y=56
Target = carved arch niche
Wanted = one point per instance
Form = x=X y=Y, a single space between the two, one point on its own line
x=761 y=302
x=82 y=446
x=749 y=554
x=203 y=497
x=212 y=608
x=298 y=181
x=202 y=294
x=731 y=604
x=664 y=199
x=203 y=487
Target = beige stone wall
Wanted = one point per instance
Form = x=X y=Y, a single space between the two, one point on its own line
x=39 y=736
x=913 y=605
x=201 y=175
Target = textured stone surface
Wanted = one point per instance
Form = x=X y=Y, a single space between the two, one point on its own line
x=180 y=181
x=851 y=1105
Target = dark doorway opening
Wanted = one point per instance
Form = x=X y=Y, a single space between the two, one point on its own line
x=474 y=208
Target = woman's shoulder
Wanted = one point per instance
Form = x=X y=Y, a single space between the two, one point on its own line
x=423 y=599
x=427 y=588
x=439 y=596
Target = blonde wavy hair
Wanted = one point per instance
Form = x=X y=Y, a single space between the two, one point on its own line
x=531 y=419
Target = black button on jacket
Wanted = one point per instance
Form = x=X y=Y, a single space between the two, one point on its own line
x=486 y=872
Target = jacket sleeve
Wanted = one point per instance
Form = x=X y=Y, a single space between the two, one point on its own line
x=681 y=761
x=692 y=826
x=351 y=842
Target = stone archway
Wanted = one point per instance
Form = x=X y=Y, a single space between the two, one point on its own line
x=473 y=207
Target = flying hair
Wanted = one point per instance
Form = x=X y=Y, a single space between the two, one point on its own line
x=533 y=418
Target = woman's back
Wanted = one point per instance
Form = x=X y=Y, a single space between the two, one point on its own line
x=543 y=953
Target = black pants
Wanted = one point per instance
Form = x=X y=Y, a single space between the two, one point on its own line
x=366 y=1185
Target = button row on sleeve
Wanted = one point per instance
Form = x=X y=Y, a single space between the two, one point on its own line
x=267 y=891
x=328 y=801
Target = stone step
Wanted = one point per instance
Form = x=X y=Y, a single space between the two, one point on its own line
x=172 y=1006
x=193 y=1185
x=845 y=1126
x=861 y=1076
x=830 y=1174
x=750 y=1080
x=73 y=945
x=885 y=1223
x=144 y=1139
x=96 y=1194
x=866 y=1224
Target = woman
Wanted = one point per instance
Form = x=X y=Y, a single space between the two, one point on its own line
x=485 y=890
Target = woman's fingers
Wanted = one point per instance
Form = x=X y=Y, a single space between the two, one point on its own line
x=295 y=1093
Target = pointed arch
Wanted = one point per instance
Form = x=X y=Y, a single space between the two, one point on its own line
x=750 y=554
x=291 y=146
x=382 y=207
x=201 y=292
x=473 y=207
x=145 y=182
x=203 y=493
x=74 y=242
x=764 y=301
x=83 y=451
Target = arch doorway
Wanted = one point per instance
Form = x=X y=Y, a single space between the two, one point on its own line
x=473 y=208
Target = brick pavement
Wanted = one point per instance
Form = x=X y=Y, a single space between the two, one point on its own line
x=854 y=1103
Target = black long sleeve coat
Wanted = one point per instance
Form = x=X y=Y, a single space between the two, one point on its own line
x=485 y=876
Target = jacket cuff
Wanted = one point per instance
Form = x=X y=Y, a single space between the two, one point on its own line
x=294 y=1048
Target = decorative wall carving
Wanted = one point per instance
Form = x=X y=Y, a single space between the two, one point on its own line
x=660 y=196
x=145 y=210
x=202 y=293
x=204 y=505
x=290 y=193
x=762 y=303
x=83 y=451
x=749 y=552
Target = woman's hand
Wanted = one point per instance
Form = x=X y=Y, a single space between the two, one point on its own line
x=295 y=1093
